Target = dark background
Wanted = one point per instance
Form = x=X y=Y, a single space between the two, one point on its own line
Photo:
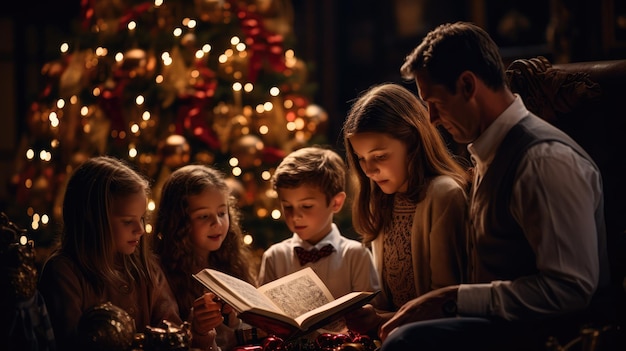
x=349 y=45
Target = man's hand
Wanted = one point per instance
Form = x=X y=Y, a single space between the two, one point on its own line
x=363 y=320
x=427 y=306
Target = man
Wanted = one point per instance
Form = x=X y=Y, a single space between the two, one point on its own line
x=538 y=264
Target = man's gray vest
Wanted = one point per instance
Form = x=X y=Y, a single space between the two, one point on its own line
x=497 y=246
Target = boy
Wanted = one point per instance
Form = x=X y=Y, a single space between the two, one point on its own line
x=310 y=185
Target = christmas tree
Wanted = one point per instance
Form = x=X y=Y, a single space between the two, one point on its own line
x=166 y=83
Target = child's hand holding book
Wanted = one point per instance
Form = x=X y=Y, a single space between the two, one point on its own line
x=207 y=314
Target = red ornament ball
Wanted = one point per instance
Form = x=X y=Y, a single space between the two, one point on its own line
x=325 y=340
x=273 y=343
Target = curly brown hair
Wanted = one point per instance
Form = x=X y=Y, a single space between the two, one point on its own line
x=172 y=242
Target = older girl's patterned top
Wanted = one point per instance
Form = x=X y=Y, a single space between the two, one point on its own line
x=397 y=275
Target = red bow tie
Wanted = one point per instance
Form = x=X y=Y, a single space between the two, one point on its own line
x=314 y=254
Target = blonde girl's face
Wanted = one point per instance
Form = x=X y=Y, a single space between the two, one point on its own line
x=210 y=222
x=383 y=159
x=127 y=221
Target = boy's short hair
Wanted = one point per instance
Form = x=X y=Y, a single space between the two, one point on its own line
x=314 y=166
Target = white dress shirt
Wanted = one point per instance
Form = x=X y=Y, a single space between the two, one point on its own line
x=349 y=268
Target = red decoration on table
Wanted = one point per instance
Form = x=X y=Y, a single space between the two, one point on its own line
x=326 y=341
x=273 y=343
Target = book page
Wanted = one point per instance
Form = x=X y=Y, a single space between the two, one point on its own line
x=338 y=305
x=298 y=293
x=244 y=291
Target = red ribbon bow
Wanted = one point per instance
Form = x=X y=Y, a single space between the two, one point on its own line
x=314 y=254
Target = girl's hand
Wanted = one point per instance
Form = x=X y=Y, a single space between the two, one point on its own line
x=207 y=314
x=231 y=316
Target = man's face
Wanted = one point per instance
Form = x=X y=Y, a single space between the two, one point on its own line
x=454 y=112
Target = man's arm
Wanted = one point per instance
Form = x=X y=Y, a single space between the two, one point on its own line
x=434 y=304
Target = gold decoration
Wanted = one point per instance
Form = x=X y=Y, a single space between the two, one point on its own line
x=175 y=152
x=211 y=11
x=277 y=15
x=247 y=150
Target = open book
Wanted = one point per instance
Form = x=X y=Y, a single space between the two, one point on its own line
x=287 y=307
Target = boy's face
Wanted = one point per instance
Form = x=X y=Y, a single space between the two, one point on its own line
x=306 y=212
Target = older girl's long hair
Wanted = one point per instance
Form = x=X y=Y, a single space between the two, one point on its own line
x=87 y=237
x=394 y=110
x=173 y=234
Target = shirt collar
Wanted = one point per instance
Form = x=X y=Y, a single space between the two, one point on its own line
x=483 y=149
x=332 y=238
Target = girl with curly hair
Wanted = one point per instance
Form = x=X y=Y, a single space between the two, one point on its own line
x=197 y=227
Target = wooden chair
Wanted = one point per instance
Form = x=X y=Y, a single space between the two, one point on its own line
x=587 y=100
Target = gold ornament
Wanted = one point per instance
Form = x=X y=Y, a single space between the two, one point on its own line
x=247 y=150
x=237 y=190
x=73 y=77
x=137 y=63
x=272 y=123
x=175 y=152
x=211 y=11
x=316 y=120
x=277 y=16
x=223 y=124
x=296 y=73
x=235 y=65
x=205 y=157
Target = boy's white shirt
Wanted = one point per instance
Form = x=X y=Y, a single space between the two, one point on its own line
x=349 y=268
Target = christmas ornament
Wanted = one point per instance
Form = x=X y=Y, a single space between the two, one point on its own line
x=247 y=150
x=237 y=191
x=188 y=43
x=351 y=346
x=135 y=63
x=317 y=119
x=17 y=261
x=106 y=327
x=72 y=78
x=223 y=124
x=273 y=343
x=137 y=72
x=296 y=73
x=205 y=157
x=325 y=341
x=168 y=337
x=366 y=341
x=175 y=151
x=211 y=11
x=277 y=16
x=248 y=348
x=340 y=339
